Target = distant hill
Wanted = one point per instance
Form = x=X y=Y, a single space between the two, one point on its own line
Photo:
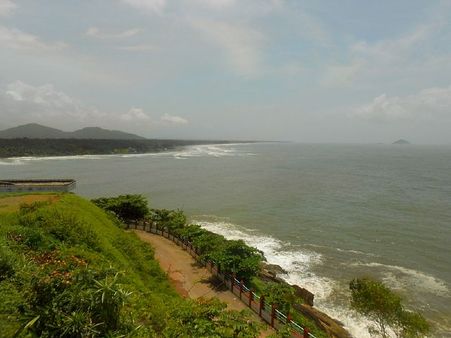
x=99 y=133
x=37 y=131
x=401 y=141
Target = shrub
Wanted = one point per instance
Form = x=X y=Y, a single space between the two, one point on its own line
x=376 y=301
x=125 y=207
x=280 y=294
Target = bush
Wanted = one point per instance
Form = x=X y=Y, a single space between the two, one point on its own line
x=376 y=301
x=171 y=219
x=125 y=207
x=280 y=294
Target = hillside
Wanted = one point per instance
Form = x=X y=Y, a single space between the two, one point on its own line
x=68 y=269
x=37 y=131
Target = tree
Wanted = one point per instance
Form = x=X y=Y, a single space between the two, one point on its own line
x=125 y=207
x=376 y=301
x=237 y=257
x=171 y=219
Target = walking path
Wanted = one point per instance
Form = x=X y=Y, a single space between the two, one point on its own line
x=189 y=278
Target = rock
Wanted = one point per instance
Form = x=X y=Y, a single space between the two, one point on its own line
x=304 y=294
x=272 y=269
x=401 y=141
x=331 y=326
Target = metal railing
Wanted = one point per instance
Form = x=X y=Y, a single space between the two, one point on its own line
x=268 y=312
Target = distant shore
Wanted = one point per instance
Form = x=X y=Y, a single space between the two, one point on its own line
x=26 y=147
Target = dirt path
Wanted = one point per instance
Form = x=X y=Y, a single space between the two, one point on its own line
x=190 y=279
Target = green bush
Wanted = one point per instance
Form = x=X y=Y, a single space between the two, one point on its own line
x=376 y=301
x=125 y=207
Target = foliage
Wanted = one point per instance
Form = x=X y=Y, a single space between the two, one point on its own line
x=376 y=301
x=170 y=219
x=69 y=271
x=280 y=294
x=208 y=319
x=238 y=258
x=125 y=207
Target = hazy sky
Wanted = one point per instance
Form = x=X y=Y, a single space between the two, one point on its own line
x=308 y=71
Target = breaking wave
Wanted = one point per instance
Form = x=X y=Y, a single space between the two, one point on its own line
x=299 y=263
x=217 y=150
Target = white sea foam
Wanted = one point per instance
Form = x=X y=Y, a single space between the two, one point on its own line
x=218 y=150
x=11 y=161
x=298 y=262
x=403 y=278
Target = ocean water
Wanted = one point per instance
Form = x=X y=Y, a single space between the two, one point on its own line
x=325 y=213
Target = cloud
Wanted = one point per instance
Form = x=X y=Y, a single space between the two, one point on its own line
x=216 y=4
x=6 y=7
x=173 y=119
x=241 y=44
x=21 y=103
x=95 y=32
x=135 y=114
x=428 y=104
x=138 y=48
x=16 y=39
x=156 y=6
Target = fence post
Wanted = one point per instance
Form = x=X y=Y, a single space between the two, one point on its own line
x=262 y=304
x=273 y=314
x=233 y=282
x=306 y=332
x=241 y=288
x=251 y=296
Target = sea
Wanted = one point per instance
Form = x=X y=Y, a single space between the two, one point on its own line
x=326 y=213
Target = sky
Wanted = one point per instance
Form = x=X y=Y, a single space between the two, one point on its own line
x=346 y=71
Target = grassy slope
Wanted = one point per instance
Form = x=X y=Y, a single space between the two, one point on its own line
x=23 y=246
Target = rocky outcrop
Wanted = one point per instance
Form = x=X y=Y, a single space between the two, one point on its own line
x=304 y=294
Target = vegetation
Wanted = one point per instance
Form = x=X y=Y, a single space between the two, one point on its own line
x=231 y=256
x=376 y=301
x=67 y=270
x=65 y=147
x=125 y=207
x=280 y=294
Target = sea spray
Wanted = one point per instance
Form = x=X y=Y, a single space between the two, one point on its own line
x=298 y=263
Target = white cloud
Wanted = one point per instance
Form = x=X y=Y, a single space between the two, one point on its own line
x=173 y=119
x=405 y=57
x=431 y=103
x=6 y=7
x=216 y=4
x=242 y=45
x=95 y=32
x=156 y=6
x=135 y=114
x=16 y=39
x=138 y=48
x=22 y=103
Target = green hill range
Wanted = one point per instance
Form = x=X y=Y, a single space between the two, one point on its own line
x=37 y=131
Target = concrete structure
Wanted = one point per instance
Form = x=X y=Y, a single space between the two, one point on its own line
x=61 y=185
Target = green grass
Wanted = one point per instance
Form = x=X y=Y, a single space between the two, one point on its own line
x=68 y=269
x=79 y=237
